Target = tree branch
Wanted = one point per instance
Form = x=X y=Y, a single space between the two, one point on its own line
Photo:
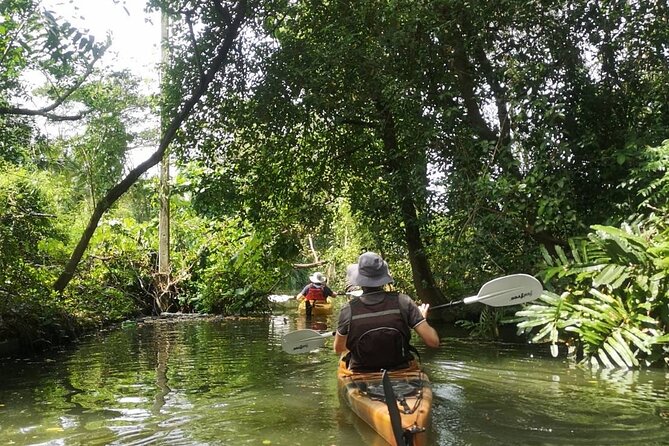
x=46 y=111
x=309 y=265
x=196 y=52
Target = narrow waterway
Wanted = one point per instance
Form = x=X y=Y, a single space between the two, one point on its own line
x=227 y=382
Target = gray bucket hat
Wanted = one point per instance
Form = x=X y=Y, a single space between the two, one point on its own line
x=318 y=277
x=371 y=270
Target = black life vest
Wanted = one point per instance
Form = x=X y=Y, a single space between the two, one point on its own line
x=315 y=292
x=379 y=335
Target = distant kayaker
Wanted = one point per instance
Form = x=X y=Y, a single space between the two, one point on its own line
x=375 y=327
x=317 y=290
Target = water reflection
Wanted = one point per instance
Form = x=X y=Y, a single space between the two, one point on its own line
x=511 y=395
x=227 y=382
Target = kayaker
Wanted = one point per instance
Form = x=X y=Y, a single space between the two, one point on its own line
x=374 y=329
x=315 y=291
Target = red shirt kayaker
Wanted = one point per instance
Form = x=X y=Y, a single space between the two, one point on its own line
x=317 y=290
x=375 y=327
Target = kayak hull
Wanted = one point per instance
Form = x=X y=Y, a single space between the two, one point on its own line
x=320 y=308
x=361 y=394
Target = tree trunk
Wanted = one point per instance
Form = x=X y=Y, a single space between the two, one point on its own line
x=426 y=289
x=162 y=301
x=170 y=132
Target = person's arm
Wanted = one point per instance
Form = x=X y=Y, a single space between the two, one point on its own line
x=339 y=344
x=426 y=332
x=327 y=292
x=341 y=335
x=302 y=294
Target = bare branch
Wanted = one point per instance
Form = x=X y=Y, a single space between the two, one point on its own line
x=309 y=265
x=46 y=111
x=41 y=112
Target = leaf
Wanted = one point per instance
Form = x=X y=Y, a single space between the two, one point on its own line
x=543 y=333
x=591 y=337
x=634 y=339
x=609 y=274
x=594 y=313
x=554 y=350
x=574 y=251
x=604 y=359
x=664 y=339
x=612 y=351
x=605 y=297
x=624 y=350
x=621 y=279
x=561 y=255
x=547 y=257
x=619 y=234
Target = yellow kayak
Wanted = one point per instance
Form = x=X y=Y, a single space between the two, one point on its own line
x=364 y=394
x=319 y=307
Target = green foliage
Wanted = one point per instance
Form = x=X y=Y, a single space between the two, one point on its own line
x=28 y=231
x=650 y=179
x=26 y=224
x=487 y=326
x=391 y=126
x=34 y=38
x=115 y=280
x=15 y=136
x=239 y=268
x=615 y=303
x=95 y=159
x=403 y=107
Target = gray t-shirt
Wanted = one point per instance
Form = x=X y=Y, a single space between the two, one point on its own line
x=407 y=306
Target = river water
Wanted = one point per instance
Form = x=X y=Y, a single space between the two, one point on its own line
x=227 y=382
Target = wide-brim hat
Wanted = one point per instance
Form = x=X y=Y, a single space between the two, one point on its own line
x=371 y=271
x=317 y=277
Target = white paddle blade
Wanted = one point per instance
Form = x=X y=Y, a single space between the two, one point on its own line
x=508 y=290
x=303 y=341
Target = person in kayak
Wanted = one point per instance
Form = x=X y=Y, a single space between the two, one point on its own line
x=315 y=291
x=374 y=329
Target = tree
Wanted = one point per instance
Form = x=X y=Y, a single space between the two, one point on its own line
x=224 y=25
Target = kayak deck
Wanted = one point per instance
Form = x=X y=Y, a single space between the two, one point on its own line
x=363 y=393
x=318 y=308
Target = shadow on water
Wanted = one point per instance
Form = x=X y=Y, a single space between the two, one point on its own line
x=227 y=382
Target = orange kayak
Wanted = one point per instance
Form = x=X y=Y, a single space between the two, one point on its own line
x=319 y=308
x=363 y=393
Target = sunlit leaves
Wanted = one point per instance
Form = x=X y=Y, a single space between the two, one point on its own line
x=38 y=39
x=616 y=290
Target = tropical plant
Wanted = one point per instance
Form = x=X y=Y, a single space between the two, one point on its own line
x=614 y=303
x=488 y=324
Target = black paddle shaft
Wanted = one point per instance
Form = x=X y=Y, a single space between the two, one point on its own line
x=450 y=304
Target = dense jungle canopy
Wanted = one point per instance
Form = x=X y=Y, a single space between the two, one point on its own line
x=461 y=140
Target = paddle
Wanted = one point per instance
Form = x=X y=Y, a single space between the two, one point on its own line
x=503 y=291
x=393 y=411
x=304 y=341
